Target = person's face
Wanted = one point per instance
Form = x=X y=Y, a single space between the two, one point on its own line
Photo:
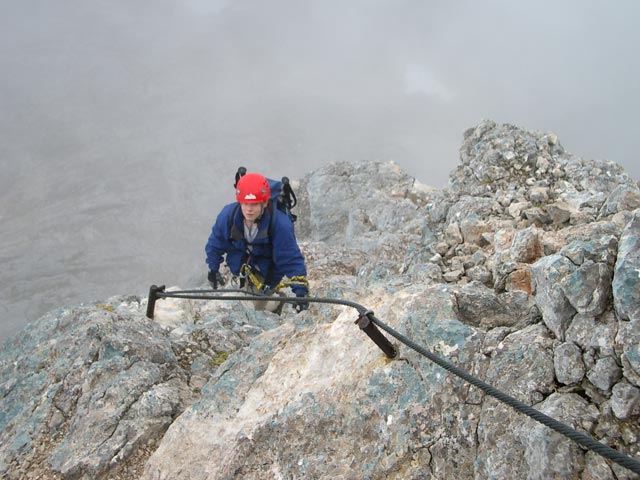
x=251 y=211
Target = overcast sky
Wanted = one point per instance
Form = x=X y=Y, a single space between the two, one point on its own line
x=307 y=82
x=120 y=117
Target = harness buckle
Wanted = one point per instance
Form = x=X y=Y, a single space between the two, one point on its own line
x=244 y=271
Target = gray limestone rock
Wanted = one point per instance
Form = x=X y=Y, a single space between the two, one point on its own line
x=626 y=280
x=480 y=274
x=623 y=197
x=453 y=235
x=599 y=248
x=596 y=468
x=604 y=374
x=527 y=246
x=473 y=229
x=351 y=203
x=553 y=455
x=560 y=212
x=480 y=306
x=596 y=333
x=100 y=379
x=588 y=288
x=631 y=362
x=522 y=364
x=569 y=367
x=547 y=275
x=625 y=401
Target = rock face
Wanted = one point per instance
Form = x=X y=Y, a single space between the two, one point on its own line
x=523 y=272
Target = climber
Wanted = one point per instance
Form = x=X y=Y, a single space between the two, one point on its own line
x=259 y=243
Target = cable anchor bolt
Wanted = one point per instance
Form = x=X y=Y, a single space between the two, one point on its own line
x=368 y=327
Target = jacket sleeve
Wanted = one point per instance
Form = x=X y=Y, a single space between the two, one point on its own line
x=218 y=243
x=287 y=256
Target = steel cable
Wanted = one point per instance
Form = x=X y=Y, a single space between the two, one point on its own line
x=569 y=432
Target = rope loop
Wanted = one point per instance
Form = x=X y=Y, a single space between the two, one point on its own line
x=297 y=280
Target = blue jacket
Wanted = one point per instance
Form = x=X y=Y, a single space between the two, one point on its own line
x=274 y=257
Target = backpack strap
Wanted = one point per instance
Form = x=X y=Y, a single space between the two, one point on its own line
x=287 y=199
x=234 y=232
x=272 y=212
x=239 y=174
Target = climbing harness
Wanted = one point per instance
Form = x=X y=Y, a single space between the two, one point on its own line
x=369 y=324
x=255 y=280
x=297 y=280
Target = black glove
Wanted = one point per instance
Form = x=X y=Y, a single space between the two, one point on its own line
x=301 y=306
x=215 y=279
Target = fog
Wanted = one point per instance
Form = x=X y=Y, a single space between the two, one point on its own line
x=123 y=122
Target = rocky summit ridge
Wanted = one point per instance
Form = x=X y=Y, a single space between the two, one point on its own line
x=524 y=271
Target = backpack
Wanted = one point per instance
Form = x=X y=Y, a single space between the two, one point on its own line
x=282 y=196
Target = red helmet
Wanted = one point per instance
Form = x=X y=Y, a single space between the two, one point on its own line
x=253 y=188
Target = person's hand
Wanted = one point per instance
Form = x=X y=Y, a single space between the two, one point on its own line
x=215 y=279
x=301 y=306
